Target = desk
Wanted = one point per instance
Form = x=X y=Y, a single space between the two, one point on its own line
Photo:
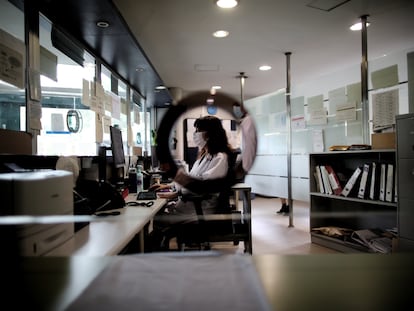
x=103 y=238
x=290 y=282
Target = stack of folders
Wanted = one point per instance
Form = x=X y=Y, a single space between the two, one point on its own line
x=327 y=180
x=374 y=181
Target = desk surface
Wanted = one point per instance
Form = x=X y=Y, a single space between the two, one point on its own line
x=290 y=282
x=109 y=237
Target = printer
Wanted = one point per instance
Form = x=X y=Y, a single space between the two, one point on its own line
x=38 y=193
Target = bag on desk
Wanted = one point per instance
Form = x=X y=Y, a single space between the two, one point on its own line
x=101 y=196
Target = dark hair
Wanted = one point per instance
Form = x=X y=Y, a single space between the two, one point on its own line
x=217 y=138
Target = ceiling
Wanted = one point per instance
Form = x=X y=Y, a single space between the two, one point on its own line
x=171 y=40
x=177 y=38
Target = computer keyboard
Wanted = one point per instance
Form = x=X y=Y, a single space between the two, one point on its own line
x=146 y=195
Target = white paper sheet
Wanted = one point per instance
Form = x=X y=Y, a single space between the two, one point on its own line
x=175 y=282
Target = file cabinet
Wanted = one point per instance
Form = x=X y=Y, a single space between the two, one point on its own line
x=405 y=175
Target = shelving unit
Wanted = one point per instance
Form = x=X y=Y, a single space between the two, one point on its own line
x=348 y=212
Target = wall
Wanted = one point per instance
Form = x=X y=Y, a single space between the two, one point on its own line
x=269 y=174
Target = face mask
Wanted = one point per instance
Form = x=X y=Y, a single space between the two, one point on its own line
x=237 y=112
x=199 y=139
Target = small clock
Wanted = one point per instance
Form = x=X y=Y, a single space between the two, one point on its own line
x=211 y=109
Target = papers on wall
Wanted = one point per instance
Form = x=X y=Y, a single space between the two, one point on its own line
x=57 y=123
x=317 y=113
x=337 y=98
x=35 y=115
x=346 y=112
x=85 y=93
x=48 y=63
x=12 y=60
x=93 y=103
x=106 y=121
x=298 y=122
x=385 y=77
x=353 y=92
x=297 y=106
x=116 y=106
x=317 y=141
x=384 y=105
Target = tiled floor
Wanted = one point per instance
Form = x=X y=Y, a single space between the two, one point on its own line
x=272 y=233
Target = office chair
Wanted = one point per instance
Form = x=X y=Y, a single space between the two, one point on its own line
x=226 y=225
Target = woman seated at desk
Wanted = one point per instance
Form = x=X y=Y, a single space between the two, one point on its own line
x=213 y=162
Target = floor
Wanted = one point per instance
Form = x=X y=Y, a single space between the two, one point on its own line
x=272 y=233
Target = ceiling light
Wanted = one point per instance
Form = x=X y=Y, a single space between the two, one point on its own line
x=220 y=33
x=227 y=4
x=160 y=87
x=265 y=68
x=214 y=89
x=102 y=24
x=357 y=26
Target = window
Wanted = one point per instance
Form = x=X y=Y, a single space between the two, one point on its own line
x=63 y=91
x=12 y=90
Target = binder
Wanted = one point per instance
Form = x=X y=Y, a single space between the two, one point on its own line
x=395 y=187
x=334 y=180
x=389 y=183
x=383 y=178
x=351 y=182
x=319 y=179
x=375 y=181
x=364 y=182
x=325 y=178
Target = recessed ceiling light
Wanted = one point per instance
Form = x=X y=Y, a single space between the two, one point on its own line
x=265 y=67
x=214 y=89
x=227 y=4
x=102 y=24
x=220 y=33
x=160 y=87
x=357 y=26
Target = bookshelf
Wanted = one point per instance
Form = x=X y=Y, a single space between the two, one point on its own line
x=349 y=212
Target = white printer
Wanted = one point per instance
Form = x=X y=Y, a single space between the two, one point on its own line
x=38 y=193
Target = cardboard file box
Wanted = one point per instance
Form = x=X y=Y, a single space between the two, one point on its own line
x=383 y=141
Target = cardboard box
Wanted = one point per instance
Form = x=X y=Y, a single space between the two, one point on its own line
x=383 y=141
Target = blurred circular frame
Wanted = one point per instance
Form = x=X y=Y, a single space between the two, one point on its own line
x=197 y=99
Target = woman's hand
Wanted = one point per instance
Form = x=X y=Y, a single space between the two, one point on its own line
x=167 y=195
x=159 y=187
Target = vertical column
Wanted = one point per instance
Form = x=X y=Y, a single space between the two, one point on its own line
x=289 y=138
x=33 y=87
x=364 y=82
x=242 y=77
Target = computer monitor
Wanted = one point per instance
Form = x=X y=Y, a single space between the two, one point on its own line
x=117 y=147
